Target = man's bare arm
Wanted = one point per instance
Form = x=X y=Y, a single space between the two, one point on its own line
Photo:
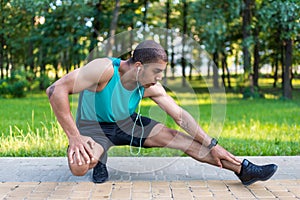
x=87 y=77
x=182 y=118
x=188 y=123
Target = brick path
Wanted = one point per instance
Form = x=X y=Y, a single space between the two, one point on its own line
x=144 y=178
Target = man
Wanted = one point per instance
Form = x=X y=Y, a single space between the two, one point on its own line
x=110 y=91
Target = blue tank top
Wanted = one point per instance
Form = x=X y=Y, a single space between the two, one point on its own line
x=112 y=103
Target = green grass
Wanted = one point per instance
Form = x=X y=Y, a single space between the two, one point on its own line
x=251 y=127
x=28 y=128
x=262 y=127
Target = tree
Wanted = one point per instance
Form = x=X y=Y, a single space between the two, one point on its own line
x=218 y=29
x=113 y=27
x=247 y=39
x=3 y=36
x=72 y=29
x=284 y=16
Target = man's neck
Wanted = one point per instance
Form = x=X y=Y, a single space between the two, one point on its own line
x=126 y=75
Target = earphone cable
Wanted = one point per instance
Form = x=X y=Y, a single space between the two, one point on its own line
x=138 y=117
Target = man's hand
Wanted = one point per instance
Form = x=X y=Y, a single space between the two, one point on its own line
x=219 y=153
x=81 y=146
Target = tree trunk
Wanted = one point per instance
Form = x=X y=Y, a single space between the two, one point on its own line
x=278 y=57
x=276 y=72
x=113 y=28
x=131 y=32
x=30 y=59
x=2 y=55
x=191 y=71
x=96 y=29
x=55 y=65
x=223 y=63
x=167 y=37
x=256 y=59
x=146 y=3
x=183 y=65
x=227 y=73
x=10 y=62
x=282 y=60
x=215 y=70
x=228 y=76
x=183 y=60
x=7 y=65
x=236 y=62
x=2 y=41
x=210 y=63
x=287 y=89
x=173 y=63
x=246 y=29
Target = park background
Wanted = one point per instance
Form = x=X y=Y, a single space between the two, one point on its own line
x=254 y=46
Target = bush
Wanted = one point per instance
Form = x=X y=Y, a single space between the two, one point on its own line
x=44 y=82
x=3 y=87
x=252 y=92
x=15 y=86
x=40 y=83
x=22 y=81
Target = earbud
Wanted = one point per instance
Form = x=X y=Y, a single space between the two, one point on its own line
x=137 y=73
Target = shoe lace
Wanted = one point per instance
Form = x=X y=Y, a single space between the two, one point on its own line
x=256 y=169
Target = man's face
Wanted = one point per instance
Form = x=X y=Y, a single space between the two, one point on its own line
x=152 y=73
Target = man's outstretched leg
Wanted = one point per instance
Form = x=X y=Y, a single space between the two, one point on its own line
x=247 y=172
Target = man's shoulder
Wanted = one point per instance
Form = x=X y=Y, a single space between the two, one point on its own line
x=100 y=65
x=101 y=62
x=97 y=71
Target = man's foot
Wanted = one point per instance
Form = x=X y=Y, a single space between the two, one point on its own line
x=250 y=173
x=100 y=174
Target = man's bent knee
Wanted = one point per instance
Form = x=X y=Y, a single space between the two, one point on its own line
x=79 y=170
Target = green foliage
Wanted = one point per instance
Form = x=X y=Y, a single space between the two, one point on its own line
x=15 y=86
x=20 y=82
x=61 y=33
x=217 y=23
x=281 y=15
x=42 y=82
x=252 y=92
x=3 y=87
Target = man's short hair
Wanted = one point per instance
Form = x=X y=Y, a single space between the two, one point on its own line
x=149 y=51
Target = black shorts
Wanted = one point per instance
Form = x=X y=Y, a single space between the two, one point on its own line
x=118 y=133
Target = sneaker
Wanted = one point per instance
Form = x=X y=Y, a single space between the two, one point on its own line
x=100 y=174
x=250 y=173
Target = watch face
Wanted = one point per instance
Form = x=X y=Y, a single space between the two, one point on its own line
x=213 y=143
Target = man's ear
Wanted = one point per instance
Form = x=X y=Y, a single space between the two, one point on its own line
x=138 y=65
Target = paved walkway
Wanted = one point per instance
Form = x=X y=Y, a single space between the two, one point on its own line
x=144 y=178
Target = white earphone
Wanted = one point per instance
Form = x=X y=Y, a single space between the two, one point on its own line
x=138 y=117
x=137 y=73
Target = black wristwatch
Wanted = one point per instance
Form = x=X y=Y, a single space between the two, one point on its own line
x=213 y=143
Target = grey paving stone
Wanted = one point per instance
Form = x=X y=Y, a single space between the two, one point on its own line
x=133 y=168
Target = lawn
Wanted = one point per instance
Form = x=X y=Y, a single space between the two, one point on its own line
x=252 y=127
